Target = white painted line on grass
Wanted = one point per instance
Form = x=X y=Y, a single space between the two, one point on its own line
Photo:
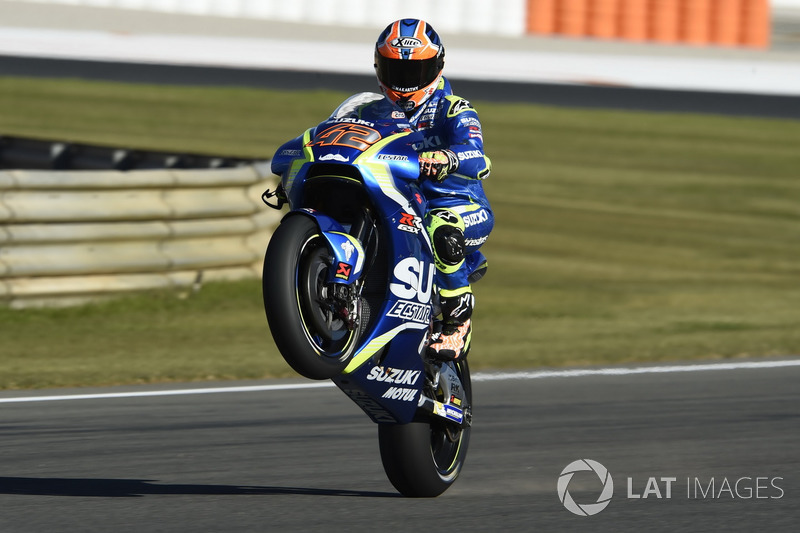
x=481 y=376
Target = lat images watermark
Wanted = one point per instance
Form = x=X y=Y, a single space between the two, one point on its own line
x=666 y=488
x=586 y=509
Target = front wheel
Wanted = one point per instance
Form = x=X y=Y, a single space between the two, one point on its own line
x=422 y=459
x=314 y=342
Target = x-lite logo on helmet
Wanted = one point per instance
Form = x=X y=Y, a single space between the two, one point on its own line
x=409 y=58
x=406 y=42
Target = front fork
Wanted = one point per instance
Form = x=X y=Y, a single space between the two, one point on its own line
x=444 y=397
x=344 y=295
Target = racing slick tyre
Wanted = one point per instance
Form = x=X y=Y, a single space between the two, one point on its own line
x=314 y=342
x=422 y=459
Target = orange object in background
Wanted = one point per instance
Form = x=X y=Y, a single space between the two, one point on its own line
x=603 y=19
x=695 y=22
x=663 y=21
x=756 y=23
x=632 y=19
x=726 y=17
x=542 y=16
x=572 y=17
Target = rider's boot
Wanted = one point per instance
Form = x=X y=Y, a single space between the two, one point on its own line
x=450 y=338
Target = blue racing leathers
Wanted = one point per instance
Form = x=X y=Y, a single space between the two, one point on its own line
x=450 y=122
x=459 y=217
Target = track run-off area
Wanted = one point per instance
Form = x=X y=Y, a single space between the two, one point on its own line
x=703 y=446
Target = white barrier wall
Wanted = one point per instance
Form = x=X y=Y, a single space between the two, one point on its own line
x=70 y=236
x=500 y=17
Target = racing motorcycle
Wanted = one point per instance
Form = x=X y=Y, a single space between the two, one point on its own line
x=349 y=291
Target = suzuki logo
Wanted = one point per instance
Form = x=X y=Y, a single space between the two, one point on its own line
x=410 y=273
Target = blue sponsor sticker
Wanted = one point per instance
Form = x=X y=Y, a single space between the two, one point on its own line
x=453 y=413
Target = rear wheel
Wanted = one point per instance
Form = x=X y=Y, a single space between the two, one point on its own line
x=422 y=459
x=298 y=301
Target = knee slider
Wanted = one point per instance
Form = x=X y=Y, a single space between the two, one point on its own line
x=446 y=230
x=448 y=242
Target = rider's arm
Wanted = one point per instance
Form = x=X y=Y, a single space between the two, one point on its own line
x=466 y=139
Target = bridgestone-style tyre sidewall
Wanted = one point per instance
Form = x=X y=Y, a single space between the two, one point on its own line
x=408 y=460
x=281 y=305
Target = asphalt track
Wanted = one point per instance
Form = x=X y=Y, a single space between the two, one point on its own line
x=307 y=459
x=565 y=95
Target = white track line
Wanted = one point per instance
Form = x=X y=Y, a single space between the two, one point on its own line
x=170 y=392
x=540 y=374
x=625 y=371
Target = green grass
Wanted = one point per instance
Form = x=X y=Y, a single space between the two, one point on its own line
x=620 y=237
x=217 y=333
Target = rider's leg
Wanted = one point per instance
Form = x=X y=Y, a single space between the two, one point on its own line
x=478 y=224
x=451 y=337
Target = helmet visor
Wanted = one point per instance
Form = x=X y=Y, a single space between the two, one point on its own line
x=407 y=75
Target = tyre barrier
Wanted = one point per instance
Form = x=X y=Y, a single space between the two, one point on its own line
x=71 y=236
x=23 y=152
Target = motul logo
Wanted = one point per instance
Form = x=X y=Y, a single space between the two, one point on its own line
x=399 y=393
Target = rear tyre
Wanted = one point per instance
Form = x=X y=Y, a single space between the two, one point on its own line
x=314 y=343
x=423 y=459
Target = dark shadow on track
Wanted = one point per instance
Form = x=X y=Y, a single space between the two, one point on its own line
x=133 y=488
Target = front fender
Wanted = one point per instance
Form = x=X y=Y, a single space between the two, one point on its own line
x=348 y=254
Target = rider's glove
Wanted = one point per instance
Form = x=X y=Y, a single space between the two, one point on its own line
x=438 y=164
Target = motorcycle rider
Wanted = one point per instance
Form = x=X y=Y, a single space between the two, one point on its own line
x=409 y=62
